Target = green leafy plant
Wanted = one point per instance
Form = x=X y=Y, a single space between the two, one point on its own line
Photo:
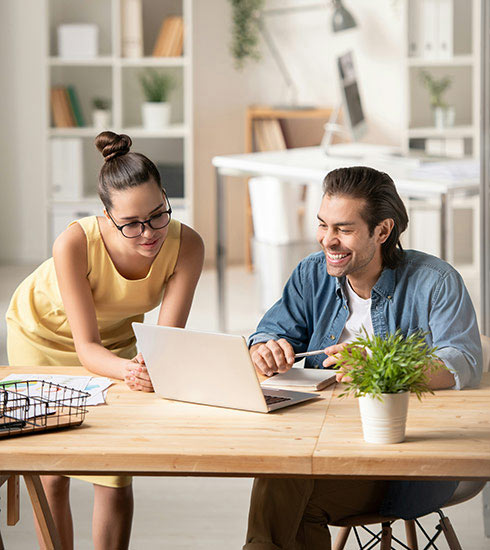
x=156 y=86
x=101 y=103
x=436 y=87
x=245 y=30
x=394 y=364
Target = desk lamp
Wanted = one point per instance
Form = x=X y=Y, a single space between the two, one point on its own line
x=342 y=20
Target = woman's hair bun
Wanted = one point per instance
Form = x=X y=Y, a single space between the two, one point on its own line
x=112 y=145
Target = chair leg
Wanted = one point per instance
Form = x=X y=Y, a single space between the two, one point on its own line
x=341 y=538
x=411 y=534
x=386 y=536
x=451 y=538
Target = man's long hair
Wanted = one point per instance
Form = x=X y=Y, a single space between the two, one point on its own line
x=381 y=202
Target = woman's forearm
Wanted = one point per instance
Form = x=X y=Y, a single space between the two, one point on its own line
x=99 y=360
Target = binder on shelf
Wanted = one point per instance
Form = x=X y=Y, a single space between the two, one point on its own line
x=414 y=34
x=428 y=11
x=431 y=29
x=132 y=28
x=75 y=106
x=67 y=168
x=170 y=38
x=445 y=22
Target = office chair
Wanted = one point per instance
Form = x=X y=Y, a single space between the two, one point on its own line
x=466 y=490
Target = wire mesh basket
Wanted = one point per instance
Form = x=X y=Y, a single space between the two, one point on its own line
x=37 y=405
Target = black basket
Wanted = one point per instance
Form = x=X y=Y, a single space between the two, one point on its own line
x=52 y=407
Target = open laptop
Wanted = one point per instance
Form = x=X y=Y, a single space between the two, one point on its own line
x=207 y=368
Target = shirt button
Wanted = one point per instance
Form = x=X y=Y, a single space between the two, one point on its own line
x=332 y=337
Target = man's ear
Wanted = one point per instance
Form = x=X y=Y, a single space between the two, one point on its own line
x=384 y=229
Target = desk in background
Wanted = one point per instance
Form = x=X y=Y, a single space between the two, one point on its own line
x=310 y=165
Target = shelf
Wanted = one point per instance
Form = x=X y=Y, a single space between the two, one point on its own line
x=173 y=131
x=452 y=132
x=154 y=62
x=103 y=61
x=457 y=60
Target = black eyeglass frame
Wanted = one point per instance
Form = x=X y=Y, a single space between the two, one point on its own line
x=144 y=222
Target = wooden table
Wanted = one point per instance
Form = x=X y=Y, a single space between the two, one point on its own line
x=448 y=437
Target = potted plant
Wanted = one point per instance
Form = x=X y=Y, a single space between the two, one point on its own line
x=381 y=373
x=156 y=108
x=443 y=113
x=101 y=114
x=245 y=30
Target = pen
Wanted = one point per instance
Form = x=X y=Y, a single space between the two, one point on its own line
x=308 y=353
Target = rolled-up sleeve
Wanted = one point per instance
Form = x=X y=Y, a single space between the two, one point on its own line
x=454 y=330
x=286 y=318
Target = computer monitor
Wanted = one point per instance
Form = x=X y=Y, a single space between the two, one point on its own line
x=353 y=113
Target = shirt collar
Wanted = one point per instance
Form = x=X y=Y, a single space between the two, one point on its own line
x=385 y=285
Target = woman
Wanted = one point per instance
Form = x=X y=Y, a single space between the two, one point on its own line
x=77 y=307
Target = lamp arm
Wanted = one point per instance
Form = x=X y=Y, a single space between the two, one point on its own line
x=279 y=60
x=290 y=9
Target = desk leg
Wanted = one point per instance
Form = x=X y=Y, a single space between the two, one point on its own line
x=444 y=222
x=486 y=509
x=42 y=512
x=221 y=250
x=13 y=508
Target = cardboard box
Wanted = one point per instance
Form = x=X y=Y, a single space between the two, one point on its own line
x=78 y=40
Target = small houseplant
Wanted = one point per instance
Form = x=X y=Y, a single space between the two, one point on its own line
x=443 y=113
x=382 y=372
x=156 y=108
x=101 y=114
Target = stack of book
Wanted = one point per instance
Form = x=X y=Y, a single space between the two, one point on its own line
x=268 y=135
x=170 y=40
x=65 y=107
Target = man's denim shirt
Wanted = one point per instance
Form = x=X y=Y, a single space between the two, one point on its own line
x=423 y=293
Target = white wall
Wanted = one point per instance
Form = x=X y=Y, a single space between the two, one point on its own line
x=22 y=159
x=221 y=97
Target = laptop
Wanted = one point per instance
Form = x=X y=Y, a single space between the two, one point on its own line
x=207 y=368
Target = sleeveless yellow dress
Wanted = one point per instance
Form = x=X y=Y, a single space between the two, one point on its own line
x=38 y=333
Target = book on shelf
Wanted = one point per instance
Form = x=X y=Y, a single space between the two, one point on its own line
x=170 y=39
x=132 y=28
x=65 y=106
x=268 y=135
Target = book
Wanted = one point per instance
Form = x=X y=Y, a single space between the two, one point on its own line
x=132 y=28
x=170 y=39
x=268 y=135
x=61 y=108
x=75 y=106
x=306 y=379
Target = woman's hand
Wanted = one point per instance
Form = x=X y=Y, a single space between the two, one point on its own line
x=136 y=376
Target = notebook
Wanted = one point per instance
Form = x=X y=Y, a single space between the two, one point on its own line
x=306 y=379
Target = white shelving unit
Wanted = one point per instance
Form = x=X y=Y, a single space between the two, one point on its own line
x=461 y=62
x=112 y=76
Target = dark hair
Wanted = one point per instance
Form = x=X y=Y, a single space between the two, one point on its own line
x=382 y=201
x=122 y=169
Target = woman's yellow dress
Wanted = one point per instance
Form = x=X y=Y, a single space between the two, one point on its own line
x=38 y=332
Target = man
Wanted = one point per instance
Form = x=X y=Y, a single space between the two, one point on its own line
x=361 y=278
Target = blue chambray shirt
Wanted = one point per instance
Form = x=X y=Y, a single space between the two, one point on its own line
x=423 y=293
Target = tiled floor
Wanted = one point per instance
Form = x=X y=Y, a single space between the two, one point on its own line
x=193 y=513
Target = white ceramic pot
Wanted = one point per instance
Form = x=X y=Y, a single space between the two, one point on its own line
x=384 y=421
x=444 y=117
x=101 y=119
x=155 y=115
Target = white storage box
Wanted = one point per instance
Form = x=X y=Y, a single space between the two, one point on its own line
x=67 y=173
x=78 y=40
x=64 y=214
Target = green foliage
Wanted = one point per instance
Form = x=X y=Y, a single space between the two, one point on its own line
x=245 y=31
x=156 y=86
x=436 y=87
x=393 y=364
x=100 y=103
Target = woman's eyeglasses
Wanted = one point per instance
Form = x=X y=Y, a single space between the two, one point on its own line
x=135 y=229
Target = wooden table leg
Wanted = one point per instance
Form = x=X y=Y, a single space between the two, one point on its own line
x=13 y=501
x=42 y=512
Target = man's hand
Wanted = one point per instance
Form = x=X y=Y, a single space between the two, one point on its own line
x=136 y=376
x=274 y=356
x=333 y=361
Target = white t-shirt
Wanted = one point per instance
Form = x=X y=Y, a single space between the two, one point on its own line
x=359 y=316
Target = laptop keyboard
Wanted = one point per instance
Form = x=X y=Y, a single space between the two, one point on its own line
x=272 y=399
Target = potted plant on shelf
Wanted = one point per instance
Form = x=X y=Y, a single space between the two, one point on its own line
x=245 y=30
x=443 y=113
x=101 y=114
x=381 y=373
x=156 y=109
